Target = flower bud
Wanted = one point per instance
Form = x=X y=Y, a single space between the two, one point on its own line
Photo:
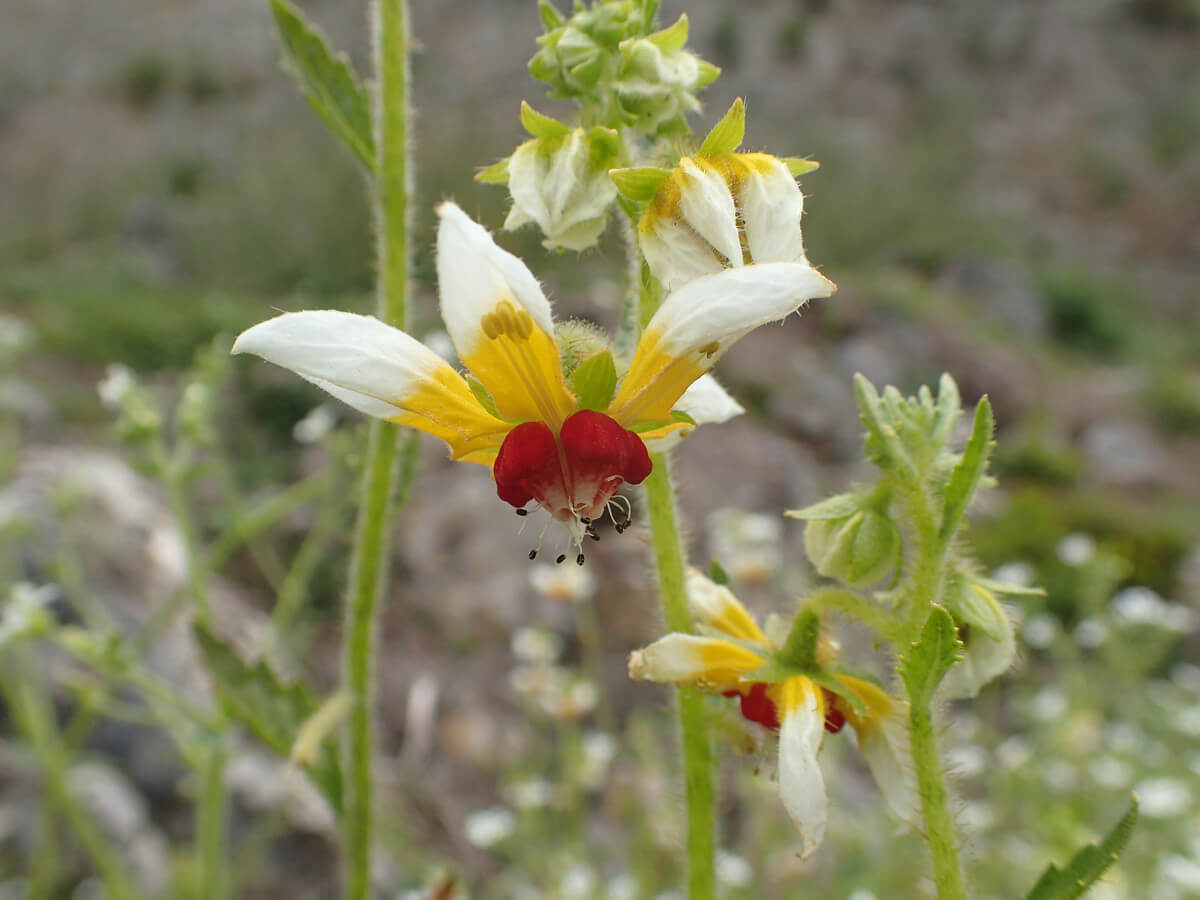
x=985 y=631
x=562 y=184
x=658 y=80
x=859 y=548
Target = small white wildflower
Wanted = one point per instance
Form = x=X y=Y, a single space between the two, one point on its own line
x=977 y=817
x=316 y=425
x=575 y=702
x=569 y=584
x=532 y=793
x=1018 y=573
x=578 y=881
x=1111 y=772
x=967 y=760
x=487 y=827
x=732 y=869
x=1048 y=703
x=1040 y=630
x=599 y=748
x=1014 y=752
x=118 y=381
x=1180 y=871
x=1163 y=798
x=536 y=645
x=1090 y=633
x=1076 y=549
x=1138 y=606
x=1060 y=776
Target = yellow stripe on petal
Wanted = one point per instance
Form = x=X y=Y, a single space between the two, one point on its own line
x=445 y=407
x=798 y=694
x=711 y=664
x=716 y=606
x=518 y=363
x=656 y=379
x=877 y=701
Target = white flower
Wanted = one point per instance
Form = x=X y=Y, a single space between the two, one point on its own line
x=1163 y=798
x=487 y=827
x=1076 y=549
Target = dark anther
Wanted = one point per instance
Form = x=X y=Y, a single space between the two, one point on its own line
x=579 y=560
x=561 y=557
x=619 y=527
x=522 y=512
x=533 y=554
x=594 y=536
x=585 y=520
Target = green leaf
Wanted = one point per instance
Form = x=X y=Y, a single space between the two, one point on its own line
x=947 y=410
x=497 y=173
x=274 y=711
x=798 y=166
x=594 y=381
x=539 y=125
x=838 y=506
x=717 y=574
x=649 y=14
x=930 y=658
x=883 y=446
x=1086 y=866
x=964 y=480
x=673 y=38
x=726 y=136
x=550 y=16
x=327 y=81
x=639 y=185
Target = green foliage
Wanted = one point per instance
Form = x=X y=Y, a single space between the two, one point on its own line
x=594 y=381
x=639 y=185
x=1086 y=866
x=1087 y=315
x=964 y=480
x=326 y=80
x=726 y=136
x=274 y=711
x=539 y=125
x=925 y=664
x=144 y=80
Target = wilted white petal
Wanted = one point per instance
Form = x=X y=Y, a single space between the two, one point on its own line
x=715 y=605
x=690 y=659
x=801 y=785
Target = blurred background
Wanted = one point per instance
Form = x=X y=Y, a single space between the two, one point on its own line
x=1009 y=192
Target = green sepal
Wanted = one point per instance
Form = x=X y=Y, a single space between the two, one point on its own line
x=594 y=381
x=827 y=680
x=1008 y=588
x=603 y=145
x=641 y=184
x=928 y=660
x=965 y=602
x=497 y=173
x=672 y=38
x=550 y=16
x=838 y=506
x=482 y=394
x=1086 y=866
x=327 y=81
x=649 y=14
x=274 y=711
x=679 y=415
x=647 y=425
x=726 y=136
x=798 y=166
x=800 y=648
x=717 y=574
x=539 y=125
x=708 y=73
x=964 y=480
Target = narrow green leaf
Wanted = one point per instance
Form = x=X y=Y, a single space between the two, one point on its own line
x=1007 y=587
x=1086 y=866
x=649 y=14
x=497 y=173
x=639 y=185
x=594 y=381
x=836 y=507
x=274 y=711
x=831 y=684
x=964 y=480
x=327 y=81
x=678 y=415
x=929 y=659
x=550 y=16
x=673 y=38
x=539 y=125
x=726 y=136
x=798 y=166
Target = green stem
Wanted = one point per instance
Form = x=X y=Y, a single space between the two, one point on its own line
x=210 y=826
x=940 y=833
x=882 y=621
x=697 y=752
x=369 y=568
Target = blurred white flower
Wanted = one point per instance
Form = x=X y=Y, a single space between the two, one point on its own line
x=748 y=545
x=1142 y=606
x=16 y=336
x=1181 y=872
x=977 y=817
x=487 y=827
x=967 y=760
x=569 y=584
x=621 y=887
x=1163 y=798
x=599 y=748
x=1187 y=676
x=536 y=645
x=1187 y=721
x=1040 y=630
x=532 y=793
x=316 y=425
x=1076 y=549
x=1090 y=633
x=578 y=881
x=1018 y=573
x=118 y=381
x=26 y=614
x=1111 y=772
x=1125 y=737
x=1014 y=752
x=861 y=894
x=732 y=869
x=1060 y=776
x=1048 y=703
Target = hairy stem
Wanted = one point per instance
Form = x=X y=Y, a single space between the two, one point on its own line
x=697 y=752
x=940 y=833
x=210 y=826
x=369 y=567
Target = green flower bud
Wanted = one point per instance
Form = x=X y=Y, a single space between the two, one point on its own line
x=658 y=80
x=984 y=629
x=853 y=544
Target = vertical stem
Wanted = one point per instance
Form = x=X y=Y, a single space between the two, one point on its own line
x=940 y=833
x=369 y=567
x=210 y=826
x=697 y=752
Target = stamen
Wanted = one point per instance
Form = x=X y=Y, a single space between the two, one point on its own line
x=533 y=553
x=522 y=512
x=560 y=559
x=579 y=560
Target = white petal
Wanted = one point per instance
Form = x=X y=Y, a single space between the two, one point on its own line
x=707 y=402
x=722 y=308
x=800 y=783
x=985 y=658
x=676 y=254
x=690 y=658
x=474 y=275
x=716 y=606
x=771 y=206
x=707 y=206
x=888 y=752
x=526 y=175
x=372 y=365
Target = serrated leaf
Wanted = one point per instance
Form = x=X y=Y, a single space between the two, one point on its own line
x=717 y=574
x=639 y=185
x=594 y=381
x=540 y=125
x=927 y=661
x=726 y=136
x=836 y=507
x=274 y=711
x=550 y=16
x=673 y=38
x=964 y=480
x=798 y=166
x=497 y=173
x=1086 y=866
x=883 y=445
x=327 y=81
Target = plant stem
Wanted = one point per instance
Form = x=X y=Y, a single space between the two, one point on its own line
x=210 y=825
x=369 y=567
x=940 y=833
x=697 y=752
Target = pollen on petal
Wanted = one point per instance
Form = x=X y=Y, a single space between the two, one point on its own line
x=527 y=464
